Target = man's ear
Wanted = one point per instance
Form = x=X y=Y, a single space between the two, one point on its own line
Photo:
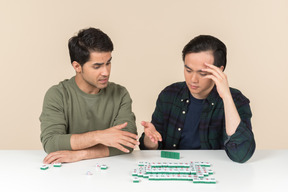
x=77 y=67
x=222 y=68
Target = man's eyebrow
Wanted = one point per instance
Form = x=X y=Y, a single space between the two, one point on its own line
x=187 y=67
x=109 y=60
x=192 y=69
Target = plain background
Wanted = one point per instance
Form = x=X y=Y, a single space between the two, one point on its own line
x=148 y=37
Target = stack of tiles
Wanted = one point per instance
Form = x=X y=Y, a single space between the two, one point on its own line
x=198 y=172
x=169 y=154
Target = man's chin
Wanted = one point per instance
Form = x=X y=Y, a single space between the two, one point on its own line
x=103 y=86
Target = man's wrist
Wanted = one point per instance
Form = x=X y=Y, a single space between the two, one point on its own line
x=97 y=137
x=97 y=151
x=83 y=154
x=227 y=98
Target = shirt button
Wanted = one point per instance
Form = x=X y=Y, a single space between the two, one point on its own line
x=187 y=101
x=182 y=100
x=179 y=129
x=174 y=145
x=183 y=112
x=212 y=103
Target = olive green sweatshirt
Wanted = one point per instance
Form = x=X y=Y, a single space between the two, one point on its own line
x=68 y=110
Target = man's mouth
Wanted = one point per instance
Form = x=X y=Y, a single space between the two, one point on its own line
x=194 y=86
x=103 y=80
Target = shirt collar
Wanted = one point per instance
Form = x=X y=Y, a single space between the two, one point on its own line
x=185 y=93
x=212 y=97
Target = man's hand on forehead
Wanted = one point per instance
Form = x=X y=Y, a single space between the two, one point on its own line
x=219 y=77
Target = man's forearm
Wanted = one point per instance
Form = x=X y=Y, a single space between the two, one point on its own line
x=85 y=140
x=68 y=156
x=97 y=151
x=232 y=118
x=111 y=137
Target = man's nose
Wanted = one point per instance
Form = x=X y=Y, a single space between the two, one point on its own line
x=194 y=78
x=105 y=71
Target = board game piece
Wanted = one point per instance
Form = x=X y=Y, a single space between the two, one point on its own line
x=135 y=172
x=44 y=167
x=140 y=174
x=140 y=163
x=171 y=155
x=57 y=165
x=211 y=180
x=136 y=180
x=205 y=164
x=210 y=171
x=103 y=167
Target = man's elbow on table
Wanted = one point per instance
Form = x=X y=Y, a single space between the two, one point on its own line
x=235 y=153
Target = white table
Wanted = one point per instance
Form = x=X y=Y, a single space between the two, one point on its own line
x=20 y=171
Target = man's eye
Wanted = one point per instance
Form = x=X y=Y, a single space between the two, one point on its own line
x=188 y=71
x=203 y=74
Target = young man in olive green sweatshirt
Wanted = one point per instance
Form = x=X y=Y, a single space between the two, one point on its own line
x=87 y=116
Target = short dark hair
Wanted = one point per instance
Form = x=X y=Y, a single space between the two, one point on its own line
x=207 y=43
x=86 y=41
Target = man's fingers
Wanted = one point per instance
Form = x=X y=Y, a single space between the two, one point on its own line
x=61 y=157
x=147 y=124
x=128 y=134
x=154 y=136
x=213 y=72
x=159 y=136
x=133 y=141
x=48 y=158
x=126 y=141
x=52 y=157
x=148 y=132
x=128 y=144
x=121 y=148
x=115 y=137
x=212 y=77
x=144 y=123
x=212 y=68
x=121 y=126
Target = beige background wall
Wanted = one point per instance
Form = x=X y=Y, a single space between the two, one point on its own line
x=148 y=37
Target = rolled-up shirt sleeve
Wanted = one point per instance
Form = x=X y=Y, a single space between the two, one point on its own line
x=241 y=145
